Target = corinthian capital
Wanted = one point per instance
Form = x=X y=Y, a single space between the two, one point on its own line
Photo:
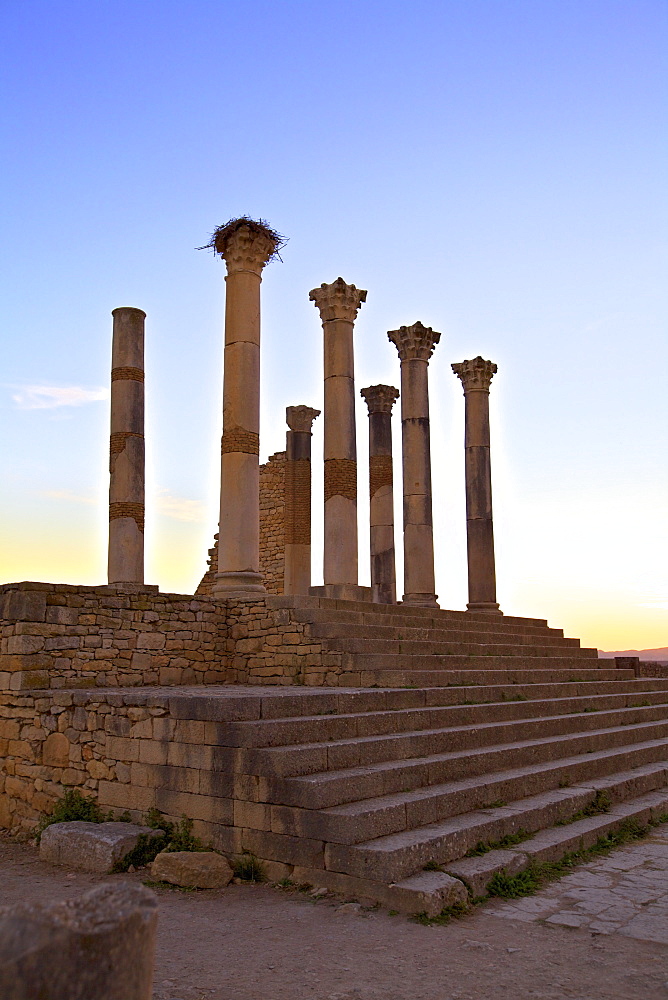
x=416 y=341
x=300 y=418
x=246 y=245
x=380 y=398
x=338 y=300
x=475 y=374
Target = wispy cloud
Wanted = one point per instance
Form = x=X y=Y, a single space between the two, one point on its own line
x=69 y=496
x=49 y=397
x=657 y=603
x=179 y=508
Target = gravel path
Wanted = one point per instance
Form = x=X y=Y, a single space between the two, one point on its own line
x=251 y=942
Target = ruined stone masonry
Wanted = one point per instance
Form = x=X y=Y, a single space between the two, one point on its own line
x=346 y=742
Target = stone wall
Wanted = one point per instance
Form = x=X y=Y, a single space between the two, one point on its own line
x=272 y=522
x=56 y=636
x=272 y=530
x=59 y=636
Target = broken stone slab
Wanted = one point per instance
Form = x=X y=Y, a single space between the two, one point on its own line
x=192 y=869
x=477 y=872
x=99 y=946
x=91 y=847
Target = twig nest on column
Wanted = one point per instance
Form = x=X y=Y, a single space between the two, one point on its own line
x=256 y=231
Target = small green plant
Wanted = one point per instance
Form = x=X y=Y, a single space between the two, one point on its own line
x=598 y=805
x=249 y=868
x=512 y=886
x=508 y=840
x=432 y=866
x=496 y=804
x=72 y=807
x=447 y=914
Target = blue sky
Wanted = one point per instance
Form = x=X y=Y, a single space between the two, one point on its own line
x=494 y=168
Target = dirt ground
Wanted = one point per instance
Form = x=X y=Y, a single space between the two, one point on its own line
x=251 y=942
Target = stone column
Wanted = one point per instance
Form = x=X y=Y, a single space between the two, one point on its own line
x=380 y=399
x=415 y=345
x=338 y=304
x=476 y=376
x=297 y=575
x=126 y=449
x=246 y=247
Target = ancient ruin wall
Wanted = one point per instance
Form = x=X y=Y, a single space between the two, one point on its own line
x=272 y=530
x=272 y=522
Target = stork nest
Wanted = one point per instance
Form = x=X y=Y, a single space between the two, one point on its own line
x=221 y=235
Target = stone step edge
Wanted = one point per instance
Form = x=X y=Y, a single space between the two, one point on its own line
x=461 y=882
x=396 y=856
x=237 y=728
x=604 y=782
x=555 y=843
x=557 y=742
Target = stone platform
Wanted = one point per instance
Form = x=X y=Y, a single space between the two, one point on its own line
x=437 y=731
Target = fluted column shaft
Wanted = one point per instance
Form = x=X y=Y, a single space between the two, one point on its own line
x=246 y=250
x=126 y=449
x=297 y=572
x=476 y=376
x=415 y=345
x=380 y=399
x=338 y=304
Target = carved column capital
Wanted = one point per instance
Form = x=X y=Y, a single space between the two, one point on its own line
x=380 y=398
x=475 y=374
x=414 y=342
x=337 y=300
x=300 y=418
x=245 y=244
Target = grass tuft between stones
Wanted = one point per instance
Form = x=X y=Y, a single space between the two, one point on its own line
x=249 y=868
x=539 y=873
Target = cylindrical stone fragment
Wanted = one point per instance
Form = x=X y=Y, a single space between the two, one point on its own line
x=246 y=247
x=415 y=345
x=297 y=573
x=476 y=376
x=380 y=399
x=99 y=946
x=338 y=304
x=126 y=449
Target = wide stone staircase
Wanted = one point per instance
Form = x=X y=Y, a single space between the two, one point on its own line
x=451 y=735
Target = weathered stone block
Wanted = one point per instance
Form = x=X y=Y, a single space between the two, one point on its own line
x=91 y=847
x=56 y=750
x=23 y=606
x=192 y=869
x=100 y=945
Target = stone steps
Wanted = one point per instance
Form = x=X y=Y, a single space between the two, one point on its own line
x=422 y=679
x=327 y=789
x=423 y=647
x=394 y=857
x=309 y=758
x=359 y=821
x=395 y=610
x=460 y=636
x=441 y=620
x=336 y=726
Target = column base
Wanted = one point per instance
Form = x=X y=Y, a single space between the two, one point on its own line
x=237 y=585
x=421 y=600
x=130 y=587
x=486 y=607
x=342 y=592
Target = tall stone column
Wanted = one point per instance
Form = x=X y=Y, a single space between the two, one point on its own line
x=126 y=449
x=246 y=247
x=476 y=376
x=297 y=574
x=380 y=399
x=338 y=304
x=415 y=345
